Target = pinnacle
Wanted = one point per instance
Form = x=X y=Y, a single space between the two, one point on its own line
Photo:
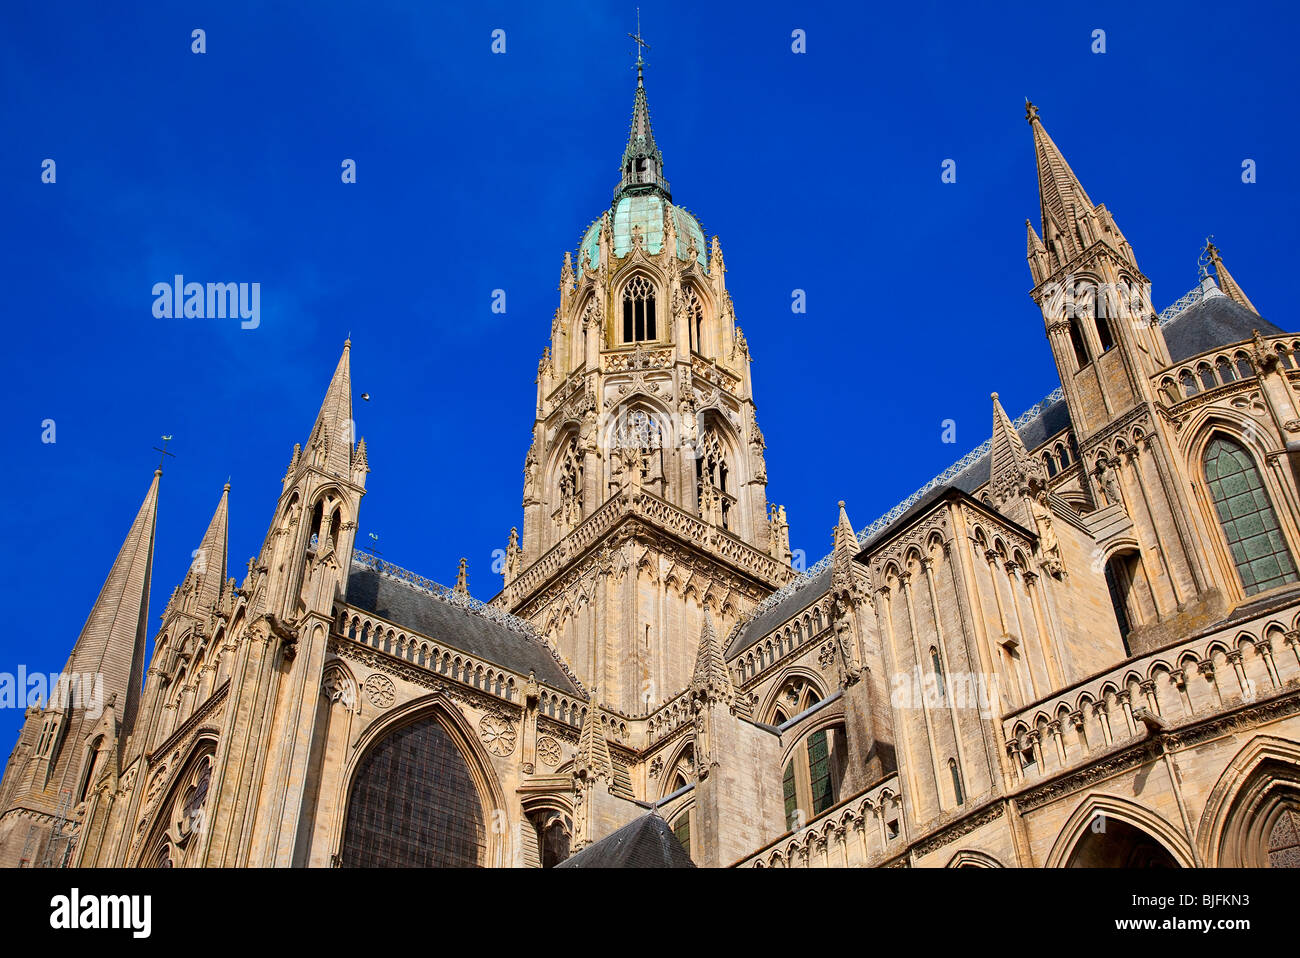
x=333 y=425
x=593 y=760
x=1227 y=284
x=210 y=558
x=1007 y=454
x=845 y=539
x=711 y=678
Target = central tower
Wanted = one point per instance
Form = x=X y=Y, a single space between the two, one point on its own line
x=645 y=488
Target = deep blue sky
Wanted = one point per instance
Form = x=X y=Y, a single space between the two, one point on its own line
x=477 y=171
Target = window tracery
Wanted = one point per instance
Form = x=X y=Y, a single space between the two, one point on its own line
x=713 y=480
x=414 y=804
x=569 y=487
x=1255 y=540
x=639 y=311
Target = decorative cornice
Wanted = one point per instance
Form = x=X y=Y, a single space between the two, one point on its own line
x=353 y=651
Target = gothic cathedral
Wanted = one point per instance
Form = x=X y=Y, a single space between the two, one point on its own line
x=1094 y=617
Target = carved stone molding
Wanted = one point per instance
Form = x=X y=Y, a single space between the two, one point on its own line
x=548 y=750
x=498 y=734
x=380 y=690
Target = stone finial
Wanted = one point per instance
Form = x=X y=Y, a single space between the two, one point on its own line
x=593 y=760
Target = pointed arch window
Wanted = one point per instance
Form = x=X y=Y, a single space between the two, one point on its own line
x=569 y=511
x=554 y=831
x=819 y=772
x=642 y=444
x=1104 y=334
x=936 y=666
x=812 y=778
x=1130 y=594
x=693 y=311
x=682 y=829
x=414 y=804
x=712 y=482
x=955 y=772
x=197 y=796
x=1259 y=550
x=791 y=796
x=87 y=775
x=639 y=311
x=1081 y=357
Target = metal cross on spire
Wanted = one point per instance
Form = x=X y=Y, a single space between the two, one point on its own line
x=165 y=453
x=636 y=38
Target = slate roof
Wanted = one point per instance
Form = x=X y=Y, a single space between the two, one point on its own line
x=458 y=628
x=786 y=609
x=1212 y=322
x=647 y=842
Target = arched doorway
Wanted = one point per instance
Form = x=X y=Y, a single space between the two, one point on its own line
x=1252 y=819
x=414 y=804
x=1112 y=843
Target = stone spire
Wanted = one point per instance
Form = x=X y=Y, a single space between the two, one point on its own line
x=1061 y=195
x=593 y=761
x=643 y=164
x=712 y=680
x=209 y=565
x=330 y=445
x=111 y=643
x=1071 y=221
x=1226 y=283
x=1010 y=465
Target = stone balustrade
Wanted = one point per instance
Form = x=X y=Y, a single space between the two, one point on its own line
x=1188 y=681
x=866 y=830
x=365 y=629
x=1221 y=367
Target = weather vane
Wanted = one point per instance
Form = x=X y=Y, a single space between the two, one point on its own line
x=636 y=37
x=165 y=453
x=1206 y=257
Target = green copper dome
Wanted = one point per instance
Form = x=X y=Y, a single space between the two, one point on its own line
x=647 y=212
x=641 y=197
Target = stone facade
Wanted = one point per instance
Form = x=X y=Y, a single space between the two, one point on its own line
x=1078 y=647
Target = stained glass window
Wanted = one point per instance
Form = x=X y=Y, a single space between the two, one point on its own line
x=682 y=829
x=791 y=799
x=414 y=804
x=1258 y=548
x=198 y=795
x=1284 y=841
x=819 y=772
